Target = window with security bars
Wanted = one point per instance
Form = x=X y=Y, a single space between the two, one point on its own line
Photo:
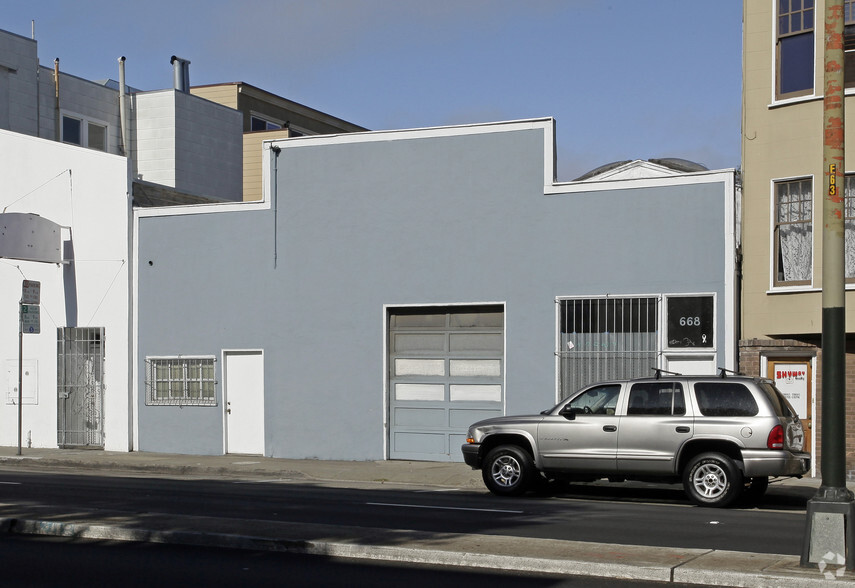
x=181 y=381
x=606 y=339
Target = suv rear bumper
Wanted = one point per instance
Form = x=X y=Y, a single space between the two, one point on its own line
x=759 y=462
x=471 y=456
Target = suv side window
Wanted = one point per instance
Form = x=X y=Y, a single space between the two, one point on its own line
x=725 y=399
x=597 y=400
x=656 y=398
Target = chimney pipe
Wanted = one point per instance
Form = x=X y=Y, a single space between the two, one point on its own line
x=181 y=73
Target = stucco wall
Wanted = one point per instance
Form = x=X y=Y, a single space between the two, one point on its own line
x=408 y=221
x=86 y=191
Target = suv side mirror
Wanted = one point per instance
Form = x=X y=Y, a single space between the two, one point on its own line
x=569 y=413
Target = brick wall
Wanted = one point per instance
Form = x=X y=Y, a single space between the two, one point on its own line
x=752 y=350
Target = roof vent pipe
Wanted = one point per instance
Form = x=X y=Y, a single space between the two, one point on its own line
x=181 y=73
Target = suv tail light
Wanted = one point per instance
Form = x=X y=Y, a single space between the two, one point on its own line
x=776 y=438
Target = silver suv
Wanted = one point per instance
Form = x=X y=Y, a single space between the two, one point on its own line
x=721 y=436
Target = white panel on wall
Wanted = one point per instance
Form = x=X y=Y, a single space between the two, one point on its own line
x=30 y=381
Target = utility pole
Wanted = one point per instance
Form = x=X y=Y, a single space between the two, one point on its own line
x=829 y=534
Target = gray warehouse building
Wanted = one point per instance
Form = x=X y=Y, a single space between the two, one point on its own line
x=393 y=287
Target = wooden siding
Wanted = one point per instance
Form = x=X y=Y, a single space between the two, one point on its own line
x=253 y=180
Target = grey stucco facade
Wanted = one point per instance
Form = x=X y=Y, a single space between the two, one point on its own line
x=355 y=226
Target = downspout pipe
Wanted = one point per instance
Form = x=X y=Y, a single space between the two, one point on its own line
x=57 y=121
x=123 y=106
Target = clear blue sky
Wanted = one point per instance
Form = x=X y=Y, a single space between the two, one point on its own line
x=624 y=79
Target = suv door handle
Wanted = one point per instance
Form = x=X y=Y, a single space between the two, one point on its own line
x=683 y=429
x=609 y=428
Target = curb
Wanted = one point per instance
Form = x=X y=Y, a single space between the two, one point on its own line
x=707 y=567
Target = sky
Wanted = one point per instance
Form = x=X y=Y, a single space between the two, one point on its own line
x=624 y=79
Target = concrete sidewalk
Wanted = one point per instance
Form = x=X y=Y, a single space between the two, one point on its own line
x=694 y=566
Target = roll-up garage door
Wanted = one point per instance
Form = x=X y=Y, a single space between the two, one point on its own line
x=446 y=371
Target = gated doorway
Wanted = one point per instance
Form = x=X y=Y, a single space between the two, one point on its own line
x=80 y=387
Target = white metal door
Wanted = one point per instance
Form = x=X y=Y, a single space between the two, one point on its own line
x=244 y=400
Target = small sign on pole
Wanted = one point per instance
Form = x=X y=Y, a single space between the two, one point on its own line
x=31 y=292
x=30 y=319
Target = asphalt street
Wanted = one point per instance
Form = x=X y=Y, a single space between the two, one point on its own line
x=625 y=518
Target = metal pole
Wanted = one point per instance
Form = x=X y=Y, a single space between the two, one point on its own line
x=830 y=514
x=20 y=368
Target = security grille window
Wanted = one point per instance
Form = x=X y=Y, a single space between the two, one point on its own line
x=181 y=381
x=656 y=399
x=83 y=132
x=849 y=223
x=793 y=233
x=604 y=339
x=795 y=48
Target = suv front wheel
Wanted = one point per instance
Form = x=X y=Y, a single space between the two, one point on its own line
x=507 y=470
x=712 y=479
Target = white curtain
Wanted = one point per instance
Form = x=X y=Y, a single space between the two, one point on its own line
x=795 y=244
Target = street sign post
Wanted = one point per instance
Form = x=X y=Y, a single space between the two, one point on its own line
x=28 y=322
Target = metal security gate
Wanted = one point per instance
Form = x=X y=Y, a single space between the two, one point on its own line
x=606 y=339
x=80 y=387
x=446 y=371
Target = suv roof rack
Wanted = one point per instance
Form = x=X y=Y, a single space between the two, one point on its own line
x=660 y=371
x=722 y=372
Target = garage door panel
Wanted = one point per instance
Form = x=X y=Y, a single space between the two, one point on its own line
x=424 y=342
x=423 y=392
x=476 y=342
x=424 y=443
x=419 y=417
x=459 y=419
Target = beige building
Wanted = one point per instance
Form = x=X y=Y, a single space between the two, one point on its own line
x=782 y=137
x=268 y=116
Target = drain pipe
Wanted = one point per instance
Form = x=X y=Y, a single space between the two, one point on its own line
x=57 y=122
x=123 y=105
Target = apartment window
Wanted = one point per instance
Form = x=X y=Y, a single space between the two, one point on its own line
x=795 y=48
x=257 y=123
x=86 y=133
x=793 y=232
x=181 y=381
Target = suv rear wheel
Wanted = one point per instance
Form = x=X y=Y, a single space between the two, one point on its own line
x=712 y=479
x=507 y=470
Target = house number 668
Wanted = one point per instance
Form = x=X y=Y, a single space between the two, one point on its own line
x=690 y=321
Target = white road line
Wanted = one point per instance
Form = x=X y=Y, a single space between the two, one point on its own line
x=443 y=507
x=11 y=483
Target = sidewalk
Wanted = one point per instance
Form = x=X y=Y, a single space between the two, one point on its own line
x=694 y=566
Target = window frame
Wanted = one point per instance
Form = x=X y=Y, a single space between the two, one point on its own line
x=780 y=38
x=85 y=123
x=271 y=124
x=775 y=233
x=180 y=392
